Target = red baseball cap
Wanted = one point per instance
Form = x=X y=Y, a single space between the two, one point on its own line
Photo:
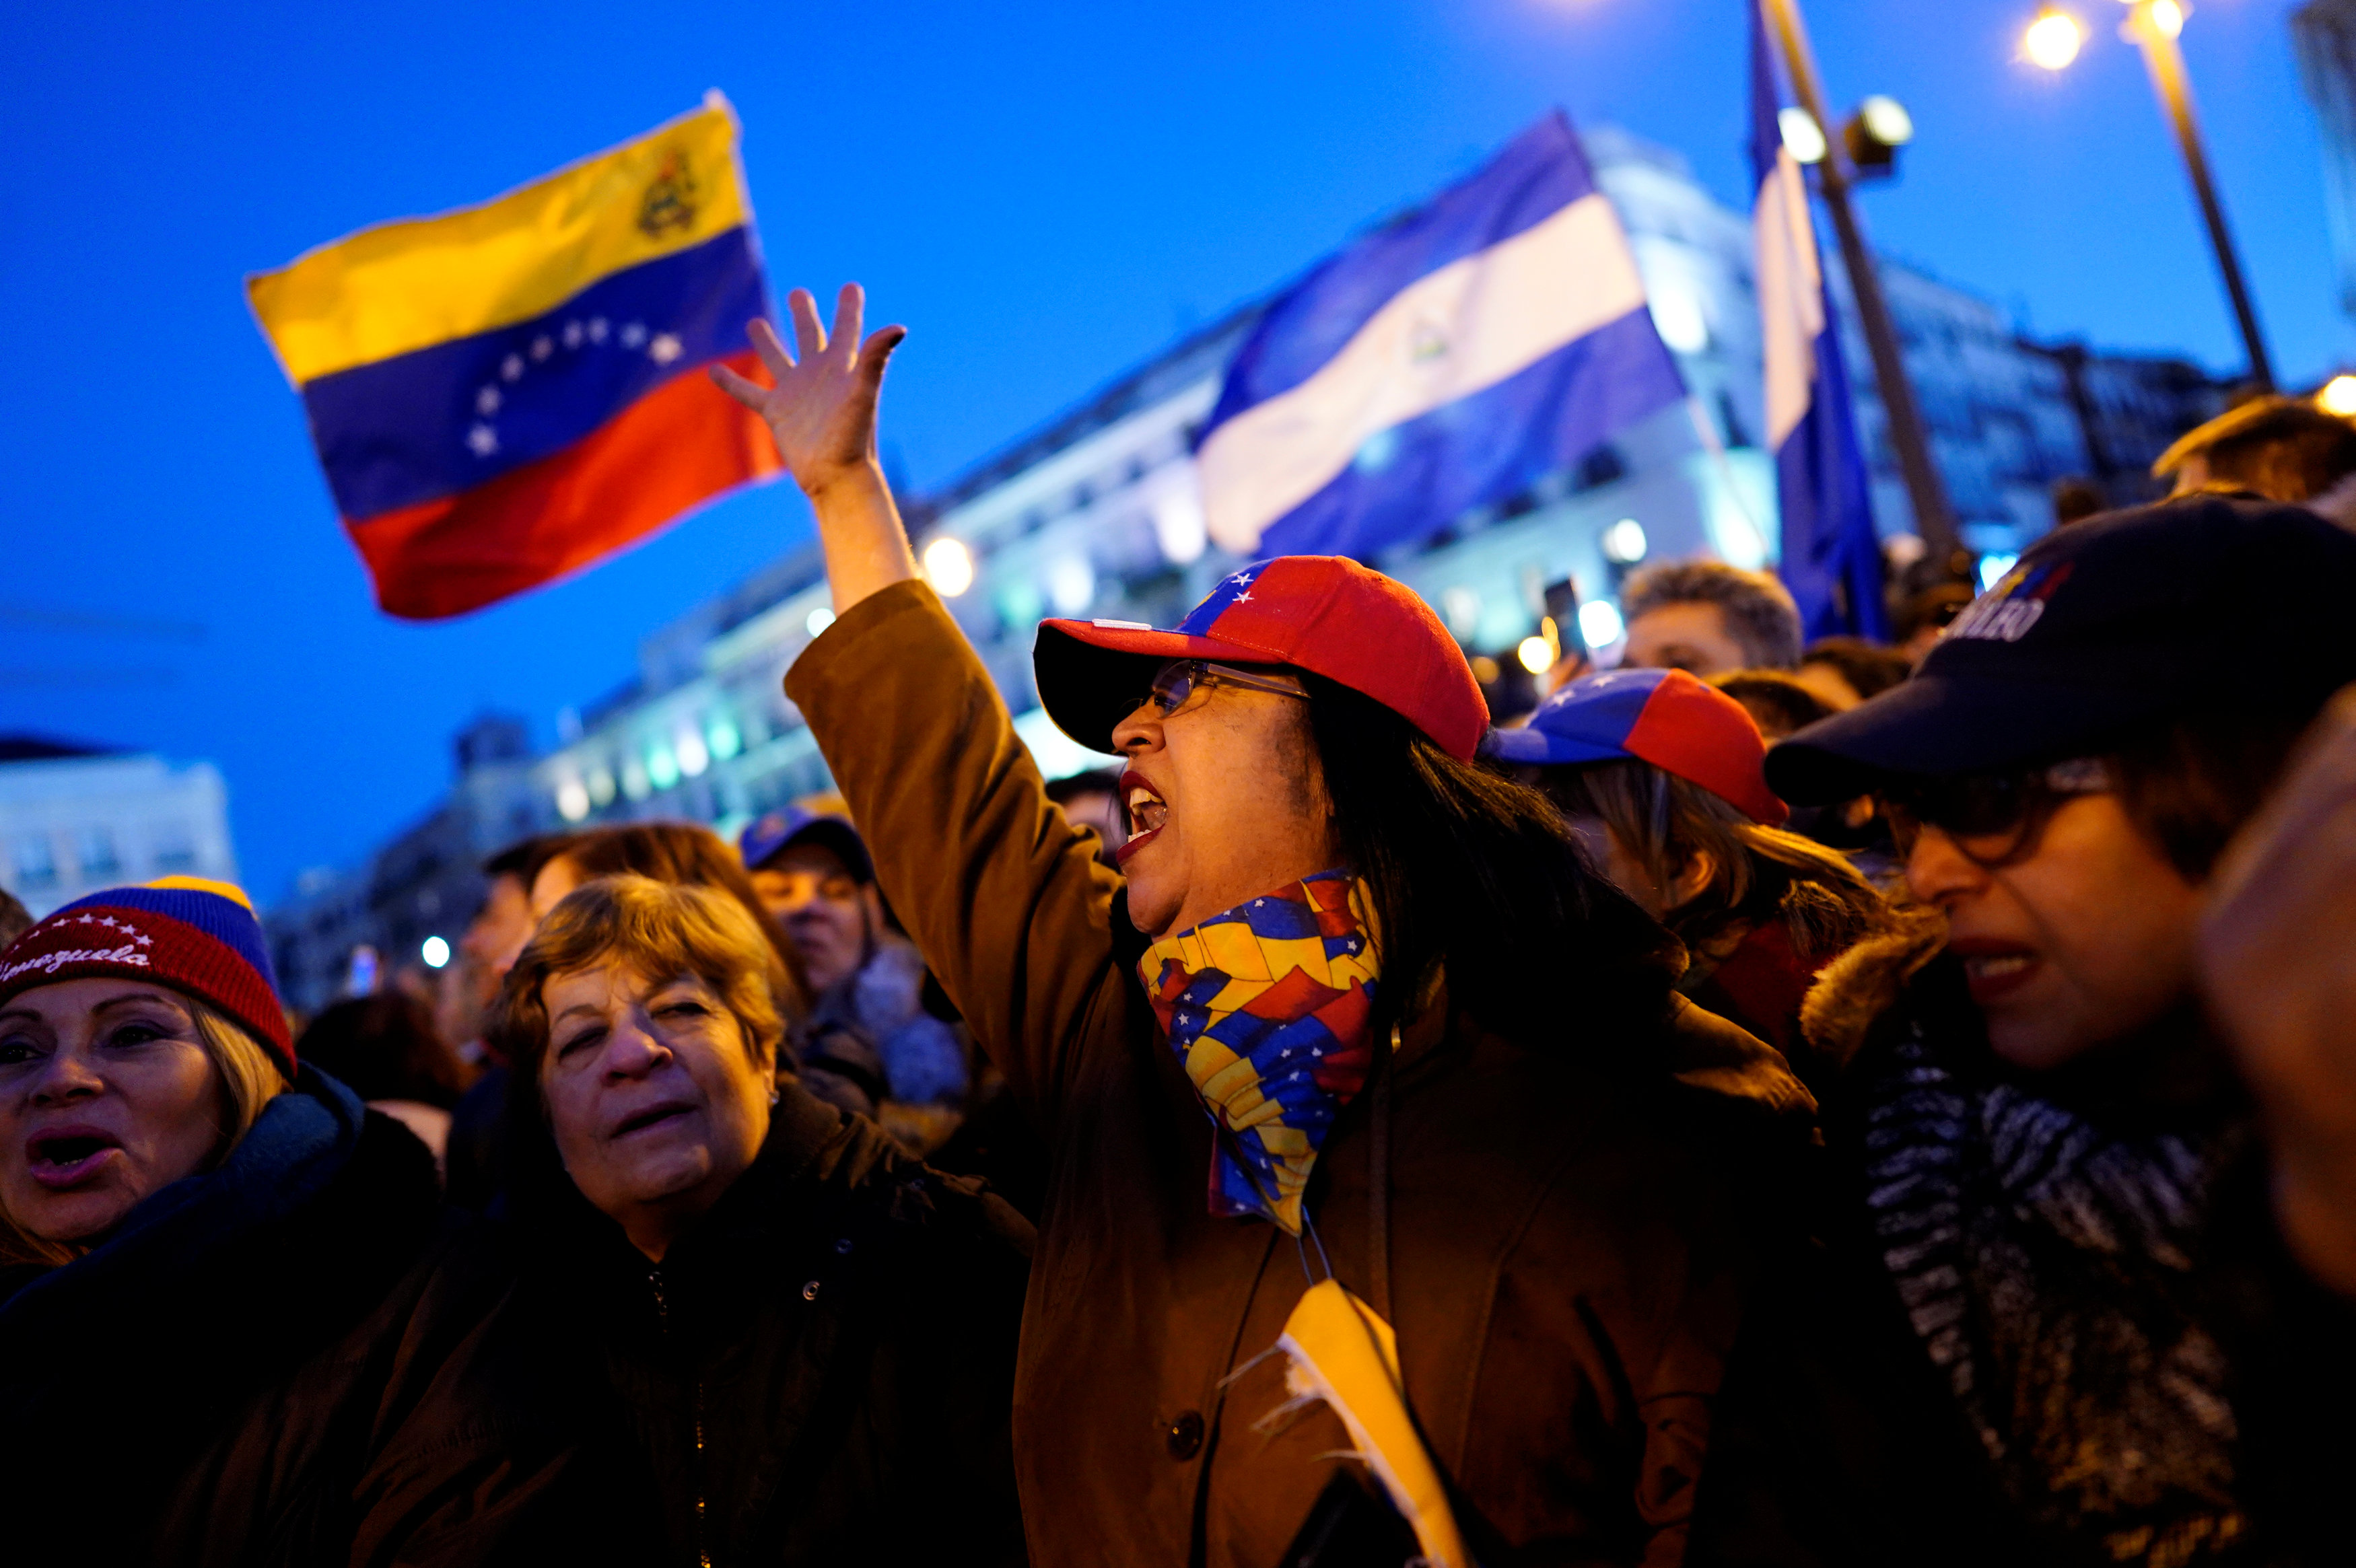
x=1324 y=614
x=1663 y=717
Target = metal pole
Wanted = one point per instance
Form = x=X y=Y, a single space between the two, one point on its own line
x=2165 y=60
x=1933 y=519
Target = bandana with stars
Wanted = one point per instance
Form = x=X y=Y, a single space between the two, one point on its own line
x=1268 y=1006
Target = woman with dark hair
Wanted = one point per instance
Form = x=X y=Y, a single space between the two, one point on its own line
x=2009 y=1344
x=386 y=1050
x=1353 y=1064
x=1664 y=779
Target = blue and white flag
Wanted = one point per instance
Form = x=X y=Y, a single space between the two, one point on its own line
x=1447 y=361
x=1831 y=556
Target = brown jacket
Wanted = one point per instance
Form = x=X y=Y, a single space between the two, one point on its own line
x=1563 y=1261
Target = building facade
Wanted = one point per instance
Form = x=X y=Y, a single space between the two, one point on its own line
x=423 y=886
x=1098 y=514
x=2323 y=32
x=75 y=819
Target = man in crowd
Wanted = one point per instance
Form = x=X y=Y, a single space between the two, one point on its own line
x=1708 y=618
x=486 y=953
x=1539 y=1213
x=2285 y=449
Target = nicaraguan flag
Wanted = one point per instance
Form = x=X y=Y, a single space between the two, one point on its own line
x=1447 y=361
x=1831 y=556
x=506 y=393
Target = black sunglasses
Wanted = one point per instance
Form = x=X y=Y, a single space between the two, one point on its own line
x=1994 y=818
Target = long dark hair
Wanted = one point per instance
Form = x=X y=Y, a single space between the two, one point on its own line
x=1474 y=874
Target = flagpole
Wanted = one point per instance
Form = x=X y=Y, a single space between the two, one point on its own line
x=1933 y=519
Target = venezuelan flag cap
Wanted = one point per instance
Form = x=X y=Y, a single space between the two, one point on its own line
x=1663 y=717
x=1324 y=614
x=194 y=935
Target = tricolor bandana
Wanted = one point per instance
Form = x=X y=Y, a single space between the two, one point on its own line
x=1268 y=1008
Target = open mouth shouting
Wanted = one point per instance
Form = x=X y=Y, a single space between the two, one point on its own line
x=1994 y=969
x=1147 y=812
x=66 y=1157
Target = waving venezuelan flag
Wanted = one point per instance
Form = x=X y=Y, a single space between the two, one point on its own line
x=505 y=393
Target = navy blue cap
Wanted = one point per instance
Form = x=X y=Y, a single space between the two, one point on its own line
x=773 y=833
x=2101 y=628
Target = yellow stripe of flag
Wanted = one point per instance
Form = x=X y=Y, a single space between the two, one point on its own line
x=407 y=285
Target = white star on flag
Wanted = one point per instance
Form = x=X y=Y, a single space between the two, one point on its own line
x=484 y=439
x=486 y=401
x=665 y=348
x=634 y=335
x=144 y=939
x=542 y=347
x=571 y=334
x=511 y=367
x=596 y=329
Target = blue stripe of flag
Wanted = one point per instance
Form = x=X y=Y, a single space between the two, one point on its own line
x=443 y=419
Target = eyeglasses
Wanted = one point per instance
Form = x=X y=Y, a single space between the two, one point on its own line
x=2011 y=808
x=1179 y=678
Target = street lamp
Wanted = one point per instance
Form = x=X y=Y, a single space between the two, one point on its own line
x=2154 y=25
x=1934 y=521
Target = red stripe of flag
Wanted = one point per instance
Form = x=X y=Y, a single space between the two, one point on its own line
x=673 y=449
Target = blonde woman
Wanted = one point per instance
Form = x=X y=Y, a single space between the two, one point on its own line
x=186 y=1213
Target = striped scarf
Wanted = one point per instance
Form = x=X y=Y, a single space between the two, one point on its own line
x=1268 y=1006
x=2048 y=1266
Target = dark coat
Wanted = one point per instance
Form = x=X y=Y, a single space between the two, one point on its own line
x=1562 y=1264
x=1995 y=1338
x=125 y=1364
x=819 y=1373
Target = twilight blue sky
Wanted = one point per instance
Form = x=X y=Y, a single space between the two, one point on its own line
x=1044 y=193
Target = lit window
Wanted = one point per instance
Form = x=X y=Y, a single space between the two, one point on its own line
x=692 y=756
x=662 y=768
x=572 y=802
x=724 y=740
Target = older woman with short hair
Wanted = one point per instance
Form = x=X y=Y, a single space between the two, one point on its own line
x=187 y=1214
x=809 y=1336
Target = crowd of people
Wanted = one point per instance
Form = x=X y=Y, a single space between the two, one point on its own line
x=1777 y=1103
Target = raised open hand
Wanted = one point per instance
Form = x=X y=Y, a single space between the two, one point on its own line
x=822 y=409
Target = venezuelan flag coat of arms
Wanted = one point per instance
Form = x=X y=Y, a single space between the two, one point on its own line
x=503 y=394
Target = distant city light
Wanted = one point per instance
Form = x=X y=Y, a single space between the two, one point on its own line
x=1803 y=137
x=1537 y=655
x=1600 y=622
x=2167 y=17
x=724 y=740
x=634 y=780
x=1992 y=566
x=819 y=620
x=1071 y=585
x=435 y=951
x=662 y=768
x=949 y=566
x=1624 y=542
x=572 y=800
x=1460 y=607
x=1887 y=119
x=2053 y=40
x=2339 y=396
x=692 y=756
x=601 y=786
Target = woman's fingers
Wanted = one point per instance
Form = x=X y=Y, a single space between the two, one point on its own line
x=808 y=336
x=849 y=309
x=873 y=355
x=751 y=394
x=772 y=352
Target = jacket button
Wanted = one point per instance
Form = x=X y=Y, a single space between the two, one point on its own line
x=809 y=1291
x=1184 y=1436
